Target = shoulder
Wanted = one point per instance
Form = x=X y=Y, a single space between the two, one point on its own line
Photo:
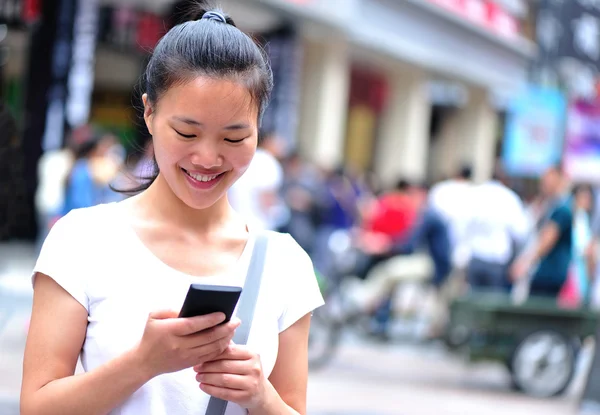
x=282 y=248
x=562 y=213
x=86 y=223
x=286 y=259
x=291 y=271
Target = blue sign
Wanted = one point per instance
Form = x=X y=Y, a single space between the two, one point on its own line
x=533 y=139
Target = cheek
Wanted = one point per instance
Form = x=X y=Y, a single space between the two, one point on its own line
x=167 y=156
x=241 y=157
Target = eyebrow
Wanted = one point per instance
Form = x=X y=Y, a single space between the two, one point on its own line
x=190 y=121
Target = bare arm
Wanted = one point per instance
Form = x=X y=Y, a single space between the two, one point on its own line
x=56 y=334
x=548 y=238
x=289 y=378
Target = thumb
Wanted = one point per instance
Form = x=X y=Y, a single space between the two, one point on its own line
x=163 y=314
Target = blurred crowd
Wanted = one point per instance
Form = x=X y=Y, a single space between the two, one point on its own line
x=483 y=234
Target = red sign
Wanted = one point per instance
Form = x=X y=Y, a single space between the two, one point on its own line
x=32 y=10
x=484 y=13
x=150 y=29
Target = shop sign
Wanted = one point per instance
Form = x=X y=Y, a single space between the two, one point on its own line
x=484 y=13
x=568 y=37
x=582 y=141
x=534 y=132
x=130 y=29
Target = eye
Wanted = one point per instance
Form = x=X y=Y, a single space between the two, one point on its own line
x=229 y=140
x=185 y=135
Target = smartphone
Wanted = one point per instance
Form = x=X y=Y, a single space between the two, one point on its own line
x=206 y=299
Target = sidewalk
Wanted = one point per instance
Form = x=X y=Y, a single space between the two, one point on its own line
x=16 y=262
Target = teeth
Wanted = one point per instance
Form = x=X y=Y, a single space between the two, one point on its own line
x=202 y=178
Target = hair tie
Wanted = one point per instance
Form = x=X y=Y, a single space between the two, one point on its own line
x=213 y=15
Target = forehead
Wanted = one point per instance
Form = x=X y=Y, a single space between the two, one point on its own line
x=207 y=99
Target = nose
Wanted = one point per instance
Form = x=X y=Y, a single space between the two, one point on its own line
x=206 y=154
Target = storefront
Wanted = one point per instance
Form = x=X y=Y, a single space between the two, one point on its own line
x=353 y=77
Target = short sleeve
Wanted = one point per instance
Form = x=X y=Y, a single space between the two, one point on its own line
x=302 y=294
x=563 y=218
x=62 y=252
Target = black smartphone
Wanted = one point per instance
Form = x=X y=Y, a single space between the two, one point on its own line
x=206 y=299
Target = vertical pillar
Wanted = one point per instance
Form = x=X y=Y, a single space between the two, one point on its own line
x=403 y=144
x=324 y=101
x=479 y=123
x=468 y=135
x=48 y=62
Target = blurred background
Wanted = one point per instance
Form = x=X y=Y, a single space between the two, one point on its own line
x=409 y=139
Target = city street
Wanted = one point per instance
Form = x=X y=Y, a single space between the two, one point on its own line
x=364 y=379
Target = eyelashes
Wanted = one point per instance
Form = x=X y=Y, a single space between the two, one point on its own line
x=185 y=135
x=229 y=140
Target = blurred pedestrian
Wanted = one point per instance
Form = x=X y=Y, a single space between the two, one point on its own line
x=496 y=232
x=299 y=192
x=452 y=198
x=549 y=259
x=578 y=284
x=96 y=165
x=111 y=279
x=256 y=195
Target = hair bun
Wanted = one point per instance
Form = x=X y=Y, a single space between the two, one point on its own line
x=193 y=10
x=214 y=15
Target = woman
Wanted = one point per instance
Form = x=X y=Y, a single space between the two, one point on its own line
x=582 y=237
x=111 y=279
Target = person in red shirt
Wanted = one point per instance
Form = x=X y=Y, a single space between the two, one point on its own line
x=394 y=213
x=390 y=218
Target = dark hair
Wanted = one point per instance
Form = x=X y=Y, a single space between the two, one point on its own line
x=466 y=172
x=584 y=187
x=206 y=47
x=402 y=185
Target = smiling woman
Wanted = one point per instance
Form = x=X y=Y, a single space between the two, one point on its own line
x=110 y=279
x=205 y=135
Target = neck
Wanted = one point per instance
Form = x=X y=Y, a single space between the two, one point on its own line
x=160 y=203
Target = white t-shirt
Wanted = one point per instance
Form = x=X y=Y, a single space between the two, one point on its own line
x=264 y=175
x=97 y=257
x=498 y=220
x=53 y=168
x=452 y=200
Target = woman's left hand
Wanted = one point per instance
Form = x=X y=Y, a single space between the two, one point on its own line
x=235 y=376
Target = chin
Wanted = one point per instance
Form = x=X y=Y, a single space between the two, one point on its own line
x=202 y=200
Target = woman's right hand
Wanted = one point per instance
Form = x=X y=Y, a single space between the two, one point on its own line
x=170 y=344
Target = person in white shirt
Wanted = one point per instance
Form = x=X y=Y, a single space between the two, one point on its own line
x=498 y=227
x=54 y=167
x=256 y=195
x=452 y=200
x=111 y=279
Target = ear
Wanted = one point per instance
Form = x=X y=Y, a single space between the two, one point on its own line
x=148 y=112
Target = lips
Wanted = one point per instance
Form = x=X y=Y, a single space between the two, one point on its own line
x=202 y=181
x=202 y=177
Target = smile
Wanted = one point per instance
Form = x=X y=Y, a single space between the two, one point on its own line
x=202 y=181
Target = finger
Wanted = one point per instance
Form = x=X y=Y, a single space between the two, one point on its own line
x=209 y=352
x=163 y=314
x=236 y=352
x=223 y=380
x=232 y=353
x=190 y=325
x=235 y=367
x=225 y=394
x=211 y=335
x=230 y=395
